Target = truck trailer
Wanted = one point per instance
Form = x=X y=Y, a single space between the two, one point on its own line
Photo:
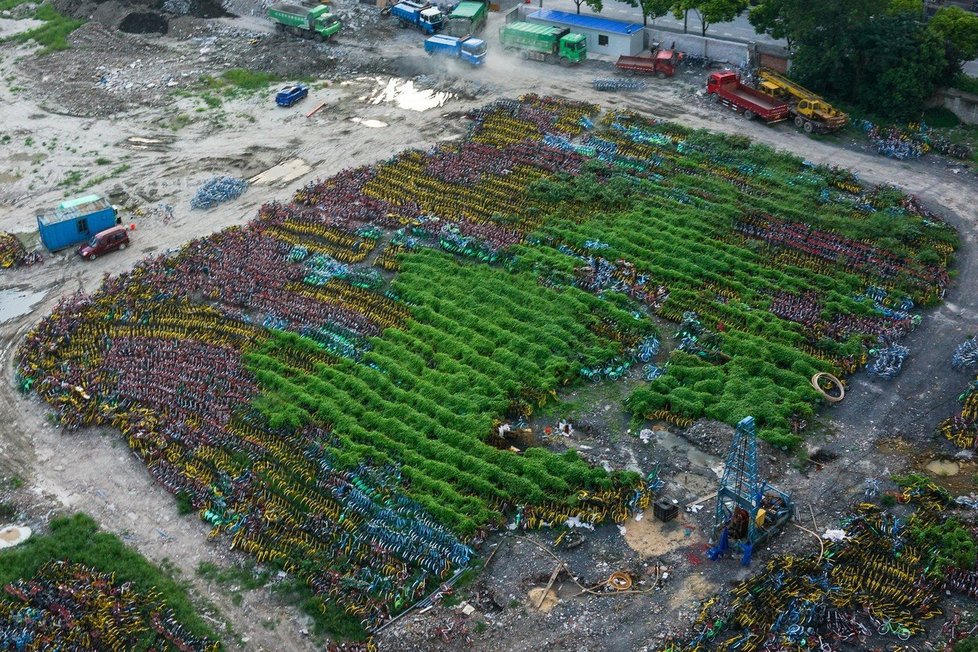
x=661 y=63
x=725 y=86
x=468 y=49
x=468 y=18
x=316 y=22
x=75 y=221
x=544 y=42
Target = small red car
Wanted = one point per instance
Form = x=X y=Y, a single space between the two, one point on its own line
x=105 y=241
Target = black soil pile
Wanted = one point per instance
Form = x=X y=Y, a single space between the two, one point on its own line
x=144 y=22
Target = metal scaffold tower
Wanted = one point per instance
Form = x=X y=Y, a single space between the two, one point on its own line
x=748 y=511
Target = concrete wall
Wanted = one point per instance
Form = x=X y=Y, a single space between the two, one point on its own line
x=962 y=104
x=728 y=51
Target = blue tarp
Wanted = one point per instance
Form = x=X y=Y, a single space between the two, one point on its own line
x=584 y=21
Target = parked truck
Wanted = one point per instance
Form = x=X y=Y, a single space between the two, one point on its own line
x=725 y=86
x=811 y=112
x=544 y=42
x=468 y=48
x=75 y=221
x=661 y=63
x=306 y=22
x=420 y=15
x=468 y=18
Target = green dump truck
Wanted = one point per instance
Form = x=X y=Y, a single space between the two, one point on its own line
x=544 y=43
x=467 y=19
x=315 y=22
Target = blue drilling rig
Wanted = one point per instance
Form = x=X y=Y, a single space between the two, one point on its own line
x=748 y=510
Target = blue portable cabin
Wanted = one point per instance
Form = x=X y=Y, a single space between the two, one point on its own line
x=75 y=221
x=613 y=38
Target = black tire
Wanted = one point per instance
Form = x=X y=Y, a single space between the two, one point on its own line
x=714 y=98
x=660 y=75
x=319 y=37
x=809 y=127
x=91 y=256
x=122 y=247
x=402 y=24
x=799 y=121
x=748 y=115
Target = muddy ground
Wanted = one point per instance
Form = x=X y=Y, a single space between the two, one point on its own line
x=124 y=114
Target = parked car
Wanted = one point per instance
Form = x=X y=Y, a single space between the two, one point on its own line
x=291 y=94
x=105 y=241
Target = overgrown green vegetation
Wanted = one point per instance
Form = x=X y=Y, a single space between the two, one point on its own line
x=482 y=342
x=78 y=539
x=949 y=544
x=966 y=83
x=53 y=34
x=678 y=234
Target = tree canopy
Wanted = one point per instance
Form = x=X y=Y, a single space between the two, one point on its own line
x=957 y=29
x=594 y=5
x=879 y=54
x=651 y=8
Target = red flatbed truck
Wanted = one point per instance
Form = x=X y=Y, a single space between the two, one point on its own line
x=661 y=63
x=725 y=86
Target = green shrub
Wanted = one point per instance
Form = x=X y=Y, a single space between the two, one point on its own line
x=939 y=117
x=965 y=83
x=53 y=34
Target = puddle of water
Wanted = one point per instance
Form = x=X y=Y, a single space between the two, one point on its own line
x=943 y=467
x=403 y=94
x=282 y=173
x=14 y=303
x=674 y=443
x=373 y=124
x=14 y=535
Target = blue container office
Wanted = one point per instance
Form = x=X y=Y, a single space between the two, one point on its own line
x=75 y=221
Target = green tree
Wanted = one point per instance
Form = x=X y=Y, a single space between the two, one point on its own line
x=651 y=8
x=709 y=12
x=595 y=5
x=957 y=30
x=859 y=50
x=906 y=7
x=772 y=17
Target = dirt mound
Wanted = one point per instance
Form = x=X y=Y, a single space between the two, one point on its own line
x=196 y=8
x=111 y=12
x=144 y=22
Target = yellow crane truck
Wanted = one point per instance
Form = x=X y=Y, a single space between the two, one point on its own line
x=811 y=112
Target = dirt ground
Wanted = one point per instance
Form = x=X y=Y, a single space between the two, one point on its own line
x=112 y=97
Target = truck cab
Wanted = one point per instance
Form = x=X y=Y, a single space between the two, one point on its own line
x=720 y=79
x=573 y=48
x=431 y=18
x=327 y=24
x=473 y=51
